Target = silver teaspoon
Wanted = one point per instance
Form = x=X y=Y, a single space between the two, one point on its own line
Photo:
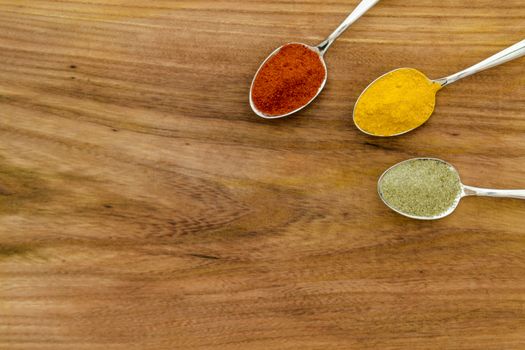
x=319 y=50
x=416 y=190
x=372 y=121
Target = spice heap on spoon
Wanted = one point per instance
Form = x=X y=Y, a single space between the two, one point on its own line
x=404 y=99
x=429 y=189
x=295 y=74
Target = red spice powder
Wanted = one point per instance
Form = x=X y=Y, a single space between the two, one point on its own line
x=288 y=80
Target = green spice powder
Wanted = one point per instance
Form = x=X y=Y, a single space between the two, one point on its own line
x=421 y=187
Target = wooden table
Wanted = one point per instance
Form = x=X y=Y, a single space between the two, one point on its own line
x=143 y=205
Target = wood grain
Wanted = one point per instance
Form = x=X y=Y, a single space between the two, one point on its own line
x=143 y=205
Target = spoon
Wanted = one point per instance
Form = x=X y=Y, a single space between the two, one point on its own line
x=463 y=191
x=429 y=89
x=319 y=50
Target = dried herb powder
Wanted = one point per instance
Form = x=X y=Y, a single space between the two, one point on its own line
x=421 y=187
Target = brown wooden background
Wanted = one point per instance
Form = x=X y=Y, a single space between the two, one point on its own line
x=143 y=205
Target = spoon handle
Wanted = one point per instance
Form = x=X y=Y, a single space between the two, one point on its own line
x=359 y=11
x=515 y=51
x=486 y=192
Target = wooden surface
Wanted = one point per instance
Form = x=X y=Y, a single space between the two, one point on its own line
x=143 y=205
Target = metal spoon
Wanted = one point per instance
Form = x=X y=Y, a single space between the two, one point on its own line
x=466 y=191
x=320 y=49
x=515 y=51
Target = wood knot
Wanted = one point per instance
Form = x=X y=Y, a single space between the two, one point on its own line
x=7 y=251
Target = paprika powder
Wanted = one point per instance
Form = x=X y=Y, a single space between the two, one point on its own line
x=288 y=80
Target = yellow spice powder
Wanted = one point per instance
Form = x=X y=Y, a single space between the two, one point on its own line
x=396 y=103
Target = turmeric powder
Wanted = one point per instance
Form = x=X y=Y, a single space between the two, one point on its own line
x=395 y=103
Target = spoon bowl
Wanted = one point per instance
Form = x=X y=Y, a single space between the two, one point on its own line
x=426 y=102
x=261 y=114
x=451 y=208
x=464 y=191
